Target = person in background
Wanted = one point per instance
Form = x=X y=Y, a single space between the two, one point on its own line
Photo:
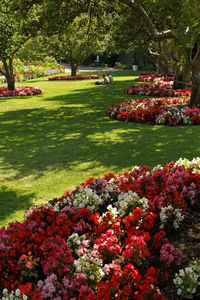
x=110 y=77
x=106 y=80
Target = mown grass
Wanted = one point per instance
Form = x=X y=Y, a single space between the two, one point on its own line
x=54 y=141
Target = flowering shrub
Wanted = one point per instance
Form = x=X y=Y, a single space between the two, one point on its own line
x=78 y=77
x=20 y=91
x=156 y=110
x=156 y=90
x=188 y=280
x=116 y=250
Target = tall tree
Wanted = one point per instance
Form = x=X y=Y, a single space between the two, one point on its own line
x=78 y=41
x=184 y=30
x=22 y=19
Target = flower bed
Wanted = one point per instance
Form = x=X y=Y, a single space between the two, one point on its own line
x=155 y=90
x=20 y=91
x=78 y=77
x=156 y=111
x=154 y=76
x=111 y=238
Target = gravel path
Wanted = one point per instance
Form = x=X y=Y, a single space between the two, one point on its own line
x=89 y=69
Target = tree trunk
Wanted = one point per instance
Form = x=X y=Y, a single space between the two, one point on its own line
x=179 y=81
x=74 y=68
x=195 y=96
x=163 y=68
x=9 y=74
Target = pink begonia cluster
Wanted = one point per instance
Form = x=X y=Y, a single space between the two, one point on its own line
x=20 y=91
x=61 y=251
x=170 y=255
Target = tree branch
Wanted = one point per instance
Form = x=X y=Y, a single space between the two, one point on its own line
x=155 y=35
x=26 y=39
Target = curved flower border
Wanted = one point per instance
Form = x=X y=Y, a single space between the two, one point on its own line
x=161 y=90
x=20 y=91
x=109 y=237
x=78 y=77
x=167 y=111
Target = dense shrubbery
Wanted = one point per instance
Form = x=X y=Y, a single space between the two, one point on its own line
x=119 y=65
x=107 y=239
x=25 y=70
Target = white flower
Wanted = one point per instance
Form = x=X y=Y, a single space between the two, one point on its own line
x=17 y=292
x=128 y=201
x=179 y=292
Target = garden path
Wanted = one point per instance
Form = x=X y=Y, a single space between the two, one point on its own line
x=83 y=68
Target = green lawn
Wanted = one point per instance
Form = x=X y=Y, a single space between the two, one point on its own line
x=54 y=141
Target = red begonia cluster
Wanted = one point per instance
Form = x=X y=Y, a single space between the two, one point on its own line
x=78 y=77
x=156 y=90
x=20 y=91
x=168 y=111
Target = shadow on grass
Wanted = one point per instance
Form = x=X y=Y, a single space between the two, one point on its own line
x=79 y=131
x=15 y=201
x=72 y=132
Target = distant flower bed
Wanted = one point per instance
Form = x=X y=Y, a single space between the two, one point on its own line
x=155 y=90
x=20 y=91
x=109 y=238
x=154 y=76
x=156 y=111
x=74 y=77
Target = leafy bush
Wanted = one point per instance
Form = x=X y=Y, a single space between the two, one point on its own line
x=34 y=71
x=118 y=65
x=49 y=62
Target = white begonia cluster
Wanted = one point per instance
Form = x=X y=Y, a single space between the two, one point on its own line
x=75 y=240
x=111 y=188
x=178 y=218
x=169 y=211
x=193 y=164
x=157 y=168
x=128 y=201
x=135 y=168
x=113 y=211
x=187 y=280
x=179 y=113
x=12 y=295
x=140 y=105
x=90 y=266
x=160 y=119
x=86 y=198
x=187 y=120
